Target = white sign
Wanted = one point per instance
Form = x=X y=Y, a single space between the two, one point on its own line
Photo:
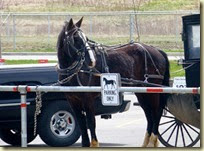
x=110 y=93
x=179 y=82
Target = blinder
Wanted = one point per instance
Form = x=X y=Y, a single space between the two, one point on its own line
x=70 y=42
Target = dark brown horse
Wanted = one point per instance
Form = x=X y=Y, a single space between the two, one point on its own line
x=134 y=61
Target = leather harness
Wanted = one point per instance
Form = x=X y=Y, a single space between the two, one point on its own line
x=76 y=66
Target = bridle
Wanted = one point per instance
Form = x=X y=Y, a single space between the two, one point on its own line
x=75 y=67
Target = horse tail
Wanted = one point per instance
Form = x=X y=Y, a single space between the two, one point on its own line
x=164 y=97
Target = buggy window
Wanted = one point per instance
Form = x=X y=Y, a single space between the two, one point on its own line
x=194 y=41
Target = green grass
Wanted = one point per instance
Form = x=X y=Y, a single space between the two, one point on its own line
x=42 y=44
x=31 y=50
x=170 y=5
x=173 y=66
x=18 y=62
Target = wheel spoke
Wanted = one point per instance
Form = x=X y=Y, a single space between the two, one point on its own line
x=54 y=122
x=168 y=116
x=184 y=144
x=62 y=133
x=66 y=117
x=187 y=133
x=192 y=129
x=166 y=109
x=167 y=122
x=63 y=115
x=177 y=133
x=69 y=126
x=171 y=133
x=56 y=117
x=168 y=128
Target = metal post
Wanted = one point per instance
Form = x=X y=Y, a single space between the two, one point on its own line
x=91 y=26
x=23 y=92
x=1 y=22
x=68 y=17
x=7 y=29
x=48 y=18
x=14 y=31
x=131 y=27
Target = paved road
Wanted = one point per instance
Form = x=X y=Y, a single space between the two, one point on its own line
x=123 y=130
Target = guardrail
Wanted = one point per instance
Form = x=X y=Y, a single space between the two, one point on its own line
x=24 y=89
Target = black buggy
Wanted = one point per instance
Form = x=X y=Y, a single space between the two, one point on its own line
x=180 y=124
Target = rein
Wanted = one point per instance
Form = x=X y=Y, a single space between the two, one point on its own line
x=74 y=68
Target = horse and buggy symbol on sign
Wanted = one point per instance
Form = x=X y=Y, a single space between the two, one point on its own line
x=110 y=83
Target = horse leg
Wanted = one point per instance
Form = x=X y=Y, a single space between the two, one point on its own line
x=147 y=110
x=91 y=121
x=149 y=128
x=154 y=136
x=156 y=115
x=81 y=119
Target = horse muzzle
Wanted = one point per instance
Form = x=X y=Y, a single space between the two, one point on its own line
x=92 y=58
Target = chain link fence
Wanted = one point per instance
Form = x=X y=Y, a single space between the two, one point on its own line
x=39 y=31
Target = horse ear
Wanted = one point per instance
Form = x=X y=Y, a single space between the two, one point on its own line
x=78 y=24
x=71 y=24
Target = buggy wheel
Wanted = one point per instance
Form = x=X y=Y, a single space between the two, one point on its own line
x=175 y=133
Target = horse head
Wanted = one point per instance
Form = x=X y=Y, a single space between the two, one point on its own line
x=73 y=45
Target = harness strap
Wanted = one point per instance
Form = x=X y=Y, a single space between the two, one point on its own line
x=105 y=65
x=131 y=81
x=146 y=75
x=75 y=67
x=154 y=76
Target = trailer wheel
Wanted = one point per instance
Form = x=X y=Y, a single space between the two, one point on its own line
x=175 y=133
x=57 y=126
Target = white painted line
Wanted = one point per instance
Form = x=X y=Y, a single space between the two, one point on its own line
x=129 y=123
